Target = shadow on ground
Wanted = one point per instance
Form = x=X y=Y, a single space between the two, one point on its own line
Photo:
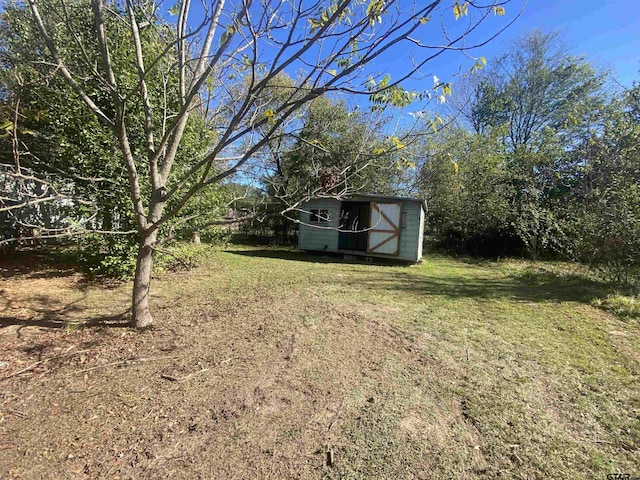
x=52 y=321
x=540 y=287
x=49 y=312
x=527 y=286
x=320 y=257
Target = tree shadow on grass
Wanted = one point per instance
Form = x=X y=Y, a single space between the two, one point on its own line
x=120 y=320
x=34 y=267
x=528 y=287
x=51 y=313
x=319 y=257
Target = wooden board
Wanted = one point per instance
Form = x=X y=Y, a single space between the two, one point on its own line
x=384 y=233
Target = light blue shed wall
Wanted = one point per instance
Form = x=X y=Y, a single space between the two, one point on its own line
x=411 y=235
x=321 y=239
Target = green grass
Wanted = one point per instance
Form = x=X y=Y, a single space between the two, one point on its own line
x=524 y=377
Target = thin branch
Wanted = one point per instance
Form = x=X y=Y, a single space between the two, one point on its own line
x=63 y=69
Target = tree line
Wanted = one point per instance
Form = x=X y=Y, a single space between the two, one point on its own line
x=542 y=160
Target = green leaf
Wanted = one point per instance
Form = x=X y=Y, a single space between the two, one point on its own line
x=333 y=73
x=226 y=36
x=174 y=10
x=460 y=10
x=374 y=11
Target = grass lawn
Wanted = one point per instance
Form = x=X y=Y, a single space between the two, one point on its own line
x=264 y=363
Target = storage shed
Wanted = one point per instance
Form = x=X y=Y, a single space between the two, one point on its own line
x=370 y=225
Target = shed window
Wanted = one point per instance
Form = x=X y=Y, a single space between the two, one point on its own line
x=403 y=220
x=319 y=216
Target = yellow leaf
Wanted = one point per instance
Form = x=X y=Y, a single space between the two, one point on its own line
x=460 y=10
x=498 y=11
x=424 y=20
x=270 y=115
x=483 y=60
x=397 y=143
x=455 y=167
x=333 y=73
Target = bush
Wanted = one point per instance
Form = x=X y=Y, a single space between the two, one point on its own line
x=183 y=256
x=111 y=256
x=216 y=235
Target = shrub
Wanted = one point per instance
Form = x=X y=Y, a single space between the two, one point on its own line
x=112 y=256
x=183 y=256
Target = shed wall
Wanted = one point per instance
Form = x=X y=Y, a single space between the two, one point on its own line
x=310 y=238
x=410 y=237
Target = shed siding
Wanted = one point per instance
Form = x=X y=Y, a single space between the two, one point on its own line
x=421 y=232
x=310 y=238
x=410 y=235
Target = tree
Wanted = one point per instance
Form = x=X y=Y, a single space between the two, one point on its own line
x=465 y=183
x=330 y=45
x=545 y=102
x=61 y=142
x=334 y=138
x=537 y=86
x=602 y=214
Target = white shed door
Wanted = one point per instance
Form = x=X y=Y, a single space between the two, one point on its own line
x=384 y=234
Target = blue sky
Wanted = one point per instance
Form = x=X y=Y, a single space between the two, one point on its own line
x=607 y=32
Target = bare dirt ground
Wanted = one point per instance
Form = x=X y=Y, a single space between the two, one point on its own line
x=261 y=375
x=217 y=390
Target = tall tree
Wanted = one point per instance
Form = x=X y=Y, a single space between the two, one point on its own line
x=334 y=140
x=332 y=45
x=465 y=183
x=536 y=86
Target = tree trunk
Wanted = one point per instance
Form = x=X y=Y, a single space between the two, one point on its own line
x=195 y=237
x=140 y=313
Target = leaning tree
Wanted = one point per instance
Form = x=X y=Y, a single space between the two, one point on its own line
x=219 y=59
